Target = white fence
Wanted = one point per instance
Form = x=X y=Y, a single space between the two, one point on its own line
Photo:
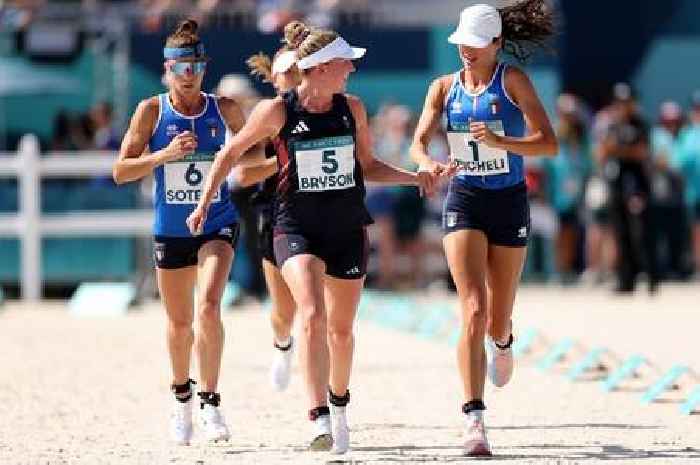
x=30 y=226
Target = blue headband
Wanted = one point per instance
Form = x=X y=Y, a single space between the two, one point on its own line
x=174 y=53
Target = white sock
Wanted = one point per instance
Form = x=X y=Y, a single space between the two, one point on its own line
x=475 y=415
x=283 y=343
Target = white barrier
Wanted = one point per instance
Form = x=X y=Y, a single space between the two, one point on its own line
x=29 y=225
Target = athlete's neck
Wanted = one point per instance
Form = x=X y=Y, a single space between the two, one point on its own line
x=477 y=78
x=188 y=105
x=314 y=99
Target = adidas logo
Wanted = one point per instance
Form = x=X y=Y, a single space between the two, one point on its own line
x=353 y=270
x=300 y=127
x=522 y=232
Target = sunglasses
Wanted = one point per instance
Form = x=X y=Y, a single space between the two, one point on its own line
x=188 y=67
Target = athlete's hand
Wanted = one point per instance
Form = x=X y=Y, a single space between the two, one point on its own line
x=427 y=177
x=482 y=134
x=195 y=222
x=181 y=145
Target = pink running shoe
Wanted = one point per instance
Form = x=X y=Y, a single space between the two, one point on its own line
x=475 y=442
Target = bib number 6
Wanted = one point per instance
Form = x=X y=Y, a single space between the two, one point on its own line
x=193 y=176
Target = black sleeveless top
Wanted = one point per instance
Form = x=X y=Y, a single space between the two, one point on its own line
x=320 y=185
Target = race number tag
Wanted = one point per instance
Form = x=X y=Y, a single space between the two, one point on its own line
x=326 y=164
x=184 y=178
x=474 y=158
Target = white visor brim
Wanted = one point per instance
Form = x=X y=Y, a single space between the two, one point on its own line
x=339 y=48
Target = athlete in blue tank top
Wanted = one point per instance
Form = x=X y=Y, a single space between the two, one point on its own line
x=486 y=216
x=483 y=166
x=182 y=130
x=178 y=184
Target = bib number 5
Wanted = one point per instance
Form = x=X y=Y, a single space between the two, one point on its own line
x=329 y=165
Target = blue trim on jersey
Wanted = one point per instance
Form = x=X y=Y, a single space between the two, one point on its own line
x=175 y=202
x=491 y=104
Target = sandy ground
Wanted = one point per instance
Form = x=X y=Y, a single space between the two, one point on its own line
x=94 y=391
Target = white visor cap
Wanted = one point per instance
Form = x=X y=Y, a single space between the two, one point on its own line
x=283 y=62
x=339 y=48
x=478 y=26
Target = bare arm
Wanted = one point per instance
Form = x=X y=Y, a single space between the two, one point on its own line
x=250 y=171
x=541 y=139
x=130 y=165
x=372 y=168
x=429 y=121
x=267 y=119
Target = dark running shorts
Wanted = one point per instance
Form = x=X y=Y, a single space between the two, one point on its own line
x=502 y=214
x=170 y=253
x=345 y=256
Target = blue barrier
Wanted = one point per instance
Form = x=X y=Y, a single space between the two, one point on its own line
x=664 y=383
x=692 y=402
x=102 y=299
x=628 y=368
x=556 y=354
x=591 y=359
x=434 y=324
x=524 y=342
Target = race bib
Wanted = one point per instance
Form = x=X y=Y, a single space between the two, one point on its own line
x=184 y=178
x=477 y=159
x=326 y=164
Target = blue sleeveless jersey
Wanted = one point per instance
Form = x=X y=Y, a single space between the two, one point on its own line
x=484 y=167
x=179 y=184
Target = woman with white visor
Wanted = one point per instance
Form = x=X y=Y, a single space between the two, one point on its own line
x=320 y=239
x=494 y=119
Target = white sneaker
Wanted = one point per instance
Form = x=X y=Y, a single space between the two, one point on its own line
x=181 y=423
x=323 y=438
x=475 y=442
x=500 y=363
x=339 y=430
x=281 y=368
x=213 y=424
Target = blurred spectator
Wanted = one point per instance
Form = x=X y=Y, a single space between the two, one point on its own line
x=566 y=175
x=105 y=135
x=688 y=162
x=624 y=152
x=543 y=224
x=667 y=190
x=71 y=132
x=15 y=15
x=273 y=15
x=239 y=87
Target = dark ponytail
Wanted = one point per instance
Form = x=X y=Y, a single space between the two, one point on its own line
x=185 y=34
x=527 y=25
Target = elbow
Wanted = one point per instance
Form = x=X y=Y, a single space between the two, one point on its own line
x=551 y=147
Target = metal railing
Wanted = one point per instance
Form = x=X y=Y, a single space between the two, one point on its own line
x=30 y=226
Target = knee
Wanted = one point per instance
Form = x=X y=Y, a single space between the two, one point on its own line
x=314 y=320
x=180 y=327
x=340 y=336
x=209 y=312
x=474 y=307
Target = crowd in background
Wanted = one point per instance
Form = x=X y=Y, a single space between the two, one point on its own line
x=573 y=222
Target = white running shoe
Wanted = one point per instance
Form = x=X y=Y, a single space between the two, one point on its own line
x=281 y=368
x=475 y=442
x=340 y=430
x=323 y=438
x=500 y=363
x=213 y=424
x=181 y=423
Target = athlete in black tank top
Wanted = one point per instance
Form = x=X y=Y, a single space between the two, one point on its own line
x=320 y=240
x=321 y=186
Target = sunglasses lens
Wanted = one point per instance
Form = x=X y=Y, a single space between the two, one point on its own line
x=183 y=67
